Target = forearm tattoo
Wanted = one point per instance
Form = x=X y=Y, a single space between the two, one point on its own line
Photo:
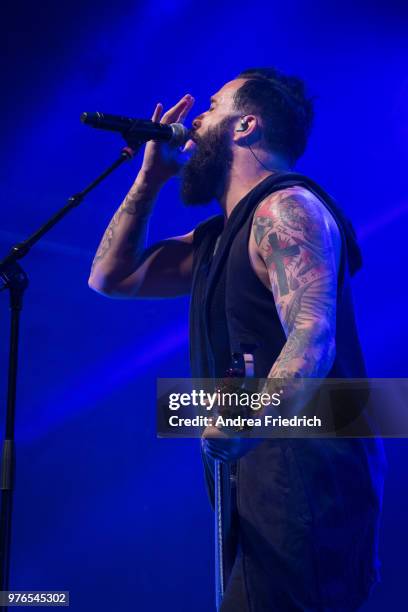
x=137 y=205
x=292 y=232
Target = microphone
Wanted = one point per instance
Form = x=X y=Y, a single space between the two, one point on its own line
x=139 y=130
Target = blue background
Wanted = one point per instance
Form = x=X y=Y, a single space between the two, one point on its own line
x=103 y=508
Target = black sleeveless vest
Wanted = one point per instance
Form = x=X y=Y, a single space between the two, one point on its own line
x=308 y=508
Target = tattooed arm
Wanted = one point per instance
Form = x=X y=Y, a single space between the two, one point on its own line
x=298 y=242
x=124 y=267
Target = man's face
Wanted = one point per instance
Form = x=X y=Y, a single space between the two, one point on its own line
x=205 y=175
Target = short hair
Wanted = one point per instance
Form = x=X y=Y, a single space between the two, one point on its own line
x=285 y=109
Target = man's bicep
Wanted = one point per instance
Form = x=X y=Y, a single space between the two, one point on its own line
x=299 y=243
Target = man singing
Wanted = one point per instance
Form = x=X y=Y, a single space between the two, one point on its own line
x=273 y=273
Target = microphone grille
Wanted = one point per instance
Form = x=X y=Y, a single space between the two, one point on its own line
x=180 y=134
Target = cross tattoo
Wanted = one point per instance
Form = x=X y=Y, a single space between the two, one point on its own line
x=276 y=257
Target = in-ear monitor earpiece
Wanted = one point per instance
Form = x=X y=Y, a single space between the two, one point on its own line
x=244 y=126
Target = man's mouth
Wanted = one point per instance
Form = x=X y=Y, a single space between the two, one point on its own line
x=190 y=146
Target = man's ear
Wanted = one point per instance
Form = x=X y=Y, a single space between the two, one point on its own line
x=246 y=127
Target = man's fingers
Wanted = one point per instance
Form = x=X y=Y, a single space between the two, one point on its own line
x=184 y=112
x=157 y=112
x=214 y=432
x=179 y=111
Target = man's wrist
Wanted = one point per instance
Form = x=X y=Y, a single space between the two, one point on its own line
x=141 y=197
x=146 y=184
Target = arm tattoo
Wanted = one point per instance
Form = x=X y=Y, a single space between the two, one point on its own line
x=262 y=225
x=276 y=258
x=140 y=213
x=295 y=242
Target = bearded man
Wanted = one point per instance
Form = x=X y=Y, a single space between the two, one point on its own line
x=273 y=272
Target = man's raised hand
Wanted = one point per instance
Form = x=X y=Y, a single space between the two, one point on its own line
x=162 y=161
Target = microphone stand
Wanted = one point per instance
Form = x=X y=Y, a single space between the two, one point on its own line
x=13 y=278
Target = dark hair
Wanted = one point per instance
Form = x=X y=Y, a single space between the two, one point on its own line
x=281 y=102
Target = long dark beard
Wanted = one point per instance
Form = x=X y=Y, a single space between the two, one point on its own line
x=205 y=175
